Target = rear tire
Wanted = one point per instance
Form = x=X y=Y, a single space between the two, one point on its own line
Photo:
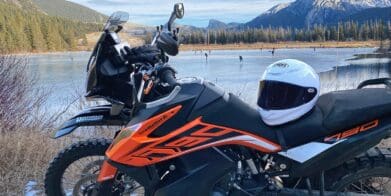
x=370 y=167
x=54 y=174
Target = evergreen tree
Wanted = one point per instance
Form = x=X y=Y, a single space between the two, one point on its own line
x=23 y=30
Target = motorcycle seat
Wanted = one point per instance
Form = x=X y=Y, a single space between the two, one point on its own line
x=346 y=109
x=336 y=112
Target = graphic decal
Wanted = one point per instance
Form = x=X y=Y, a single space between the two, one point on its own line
x=351 y=132
x=307 y=151
x=139 y=149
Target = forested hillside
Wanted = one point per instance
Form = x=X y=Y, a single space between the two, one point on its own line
x=371 y=15
x=69 y=10
x=25 y=30
x=343 y=31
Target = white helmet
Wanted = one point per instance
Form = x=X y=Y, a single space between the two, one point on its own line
x=288 y=90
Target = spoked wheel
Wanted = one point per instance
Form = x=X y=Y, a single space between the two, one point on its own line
x=84 y=186
x=80 y=177
x=368 y=174
x=370 y=185
x=74 y=172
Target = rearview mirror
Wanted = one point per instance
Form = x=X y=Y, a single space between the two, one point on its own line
x=179 y=10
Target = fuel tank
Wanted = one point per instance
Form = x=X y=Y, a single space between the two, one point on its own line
x=202 y=99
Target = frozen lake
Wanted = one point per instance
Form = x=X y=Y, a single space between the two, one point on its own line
x=64 y=73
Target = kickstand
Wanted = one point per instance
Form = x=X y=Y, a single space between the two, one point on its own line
x=321 y=193
x=308 y=182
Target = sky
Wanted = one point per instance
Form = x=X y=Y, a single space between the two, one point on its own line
x=197 y=12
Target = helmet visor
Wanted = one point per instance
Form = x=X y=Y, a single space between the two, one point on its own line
x=274 y=95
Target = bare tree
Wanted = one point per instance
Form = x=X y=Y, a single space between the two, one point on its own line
x=20 y=97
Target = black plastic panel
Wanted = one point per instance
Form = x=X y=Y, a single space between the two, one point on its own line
x=198 y=172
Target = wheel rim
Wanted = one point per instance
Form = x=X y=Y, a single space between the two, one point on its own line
x=370 y=185
x=79 y=179
x=79 y=174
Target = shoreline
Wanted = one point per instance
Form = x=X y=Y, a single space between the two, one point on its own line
x=47 y=53
x=254 y=46
x=282 y=45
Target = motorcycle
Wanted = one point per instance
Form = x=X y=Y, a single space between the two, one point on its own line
x=190 y=137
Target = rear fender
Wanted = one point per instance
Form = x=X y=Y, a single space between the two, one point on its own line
x=344 y=149
x=95 y=116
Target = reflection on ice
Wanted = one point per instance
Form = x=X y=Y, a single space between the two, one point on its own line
x=358 y=70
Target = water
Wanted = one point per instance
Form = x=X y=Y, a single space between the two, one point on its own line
x=64 y=73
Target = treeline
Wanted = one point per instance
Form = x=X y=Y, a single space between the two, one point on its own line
x=347 y=31
x=25 y=31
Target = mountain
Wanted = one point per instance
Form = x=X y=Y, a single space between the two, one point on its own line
x=69 y=10
x=216 y=24
x=383 y=14
x=60 y=8
x=302 y=13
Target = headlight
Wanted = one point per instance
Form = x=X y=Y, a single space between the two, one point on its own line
x=124 y=133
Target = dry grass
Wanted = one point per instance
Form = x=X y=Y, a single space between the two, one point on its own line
x=25 y=155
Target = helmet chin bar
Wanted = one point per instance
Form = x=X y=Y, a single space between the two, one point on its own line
x=279 y=117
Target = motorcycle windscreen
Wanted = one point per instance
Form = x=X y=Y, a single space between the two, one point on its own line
x=275 y=95
x=92 y=80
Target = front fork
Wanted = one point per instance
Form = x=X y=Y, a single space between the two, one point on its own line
x=106 y=179
x=107 y=172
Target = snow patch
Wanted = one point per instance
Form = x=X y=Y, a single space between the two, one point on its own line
x=31 y=189
x=363 y=4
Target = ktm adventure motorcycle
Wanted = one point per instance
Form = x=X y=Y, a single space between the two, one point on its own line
x=190 y=137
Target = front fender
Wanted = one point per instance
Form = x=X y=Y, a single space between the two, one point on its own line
x=94 y=116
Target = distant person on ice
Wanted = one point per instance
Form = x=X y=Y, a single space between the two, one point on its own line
x=240 y=58
x=273 y=51
x=206 y=56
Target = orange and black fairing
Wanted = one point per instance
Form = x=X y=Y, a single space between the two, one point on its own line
x=107 y=172
x=140 y=149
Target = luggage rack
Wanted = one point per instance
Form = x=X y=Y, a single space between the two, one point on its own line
x=385 y=81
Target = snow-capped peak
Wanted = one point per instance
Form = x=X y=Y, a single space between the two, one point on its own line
x=277 y=8
x=355 y=3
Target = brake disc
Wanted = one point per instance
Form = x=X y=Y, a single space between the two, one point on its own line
x=85 y=185
x=88 y=169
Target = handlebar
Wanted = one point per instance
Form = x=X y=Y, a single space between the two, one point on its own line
x=168 y=76
x=385 y=81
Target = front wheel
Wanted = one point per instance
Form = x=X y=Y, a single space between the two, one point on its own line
x=369 y=173
x=74 y=170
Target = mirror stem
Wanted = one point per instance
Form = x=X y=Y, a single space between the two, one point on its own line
x=171 y=21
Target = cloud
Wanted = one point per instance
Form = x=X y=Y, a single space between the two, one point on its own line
x=197 y=12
